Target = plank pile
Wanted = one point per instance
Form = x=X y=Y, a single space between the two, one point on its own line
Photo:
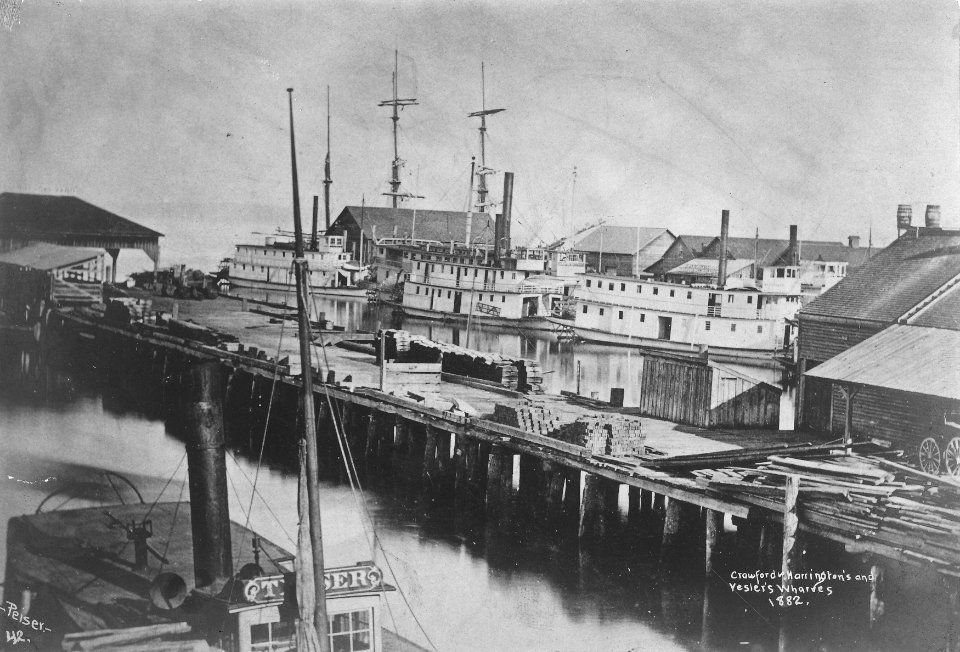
x=529 y=416
x=878 y=505
x=506 y=371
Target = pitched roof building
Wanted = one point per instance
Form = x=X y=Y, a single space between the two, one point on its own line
x=622 y=250
x=70 y=221
x=877 y=334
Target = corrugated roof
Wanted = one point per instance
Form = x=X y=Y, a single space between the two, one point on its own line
x=617 y=239
x=39 y=216
x=895 y=279
x=419 y=223
x=708 y=267
x=45 y=256
x=905 y=358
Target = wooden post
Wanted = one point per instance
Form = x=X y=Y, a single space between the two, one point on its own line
x=571 y=493
x=714 y=532
x=646 y=505
x=877 y=604
x=633 y=505
x=554 y=490
x=791 y=522
x=429 y=457
x=592 y=518
x=671 y=528
x=494 y=485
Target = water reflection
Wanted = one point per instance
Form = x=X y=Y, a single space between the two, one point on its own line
x=593 y=368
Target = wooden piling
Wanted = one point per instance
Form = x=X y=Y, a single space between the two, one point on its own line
x=714 y=533
x=556 y=479
x=633 y=505
x=591 y=511
x=430 y=463
x=877 y=603
x=671 y=528
x=571 y=494
x=791 y=522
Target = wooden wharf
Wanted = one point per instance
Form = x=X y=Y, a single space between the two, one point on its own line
x=485 y=466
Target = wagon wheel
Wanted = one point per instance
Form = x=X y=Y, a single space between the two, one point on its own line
x=951 y=457
x=929 y=456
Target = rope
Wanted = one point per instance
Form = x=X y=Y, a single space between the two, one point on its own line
x=169 y=480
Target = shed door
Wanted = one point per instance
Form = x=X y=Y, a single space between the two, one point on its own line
x=664 y=326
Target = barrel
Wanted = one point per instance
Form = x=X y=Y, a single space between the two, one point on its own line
x=904 y=216
x=932 y=218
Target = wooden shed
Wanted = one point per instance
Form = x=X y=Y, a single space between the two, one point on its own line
x=707 y=394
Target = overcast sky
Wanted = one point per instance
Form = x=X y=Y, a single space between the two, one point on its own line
x=824 y=114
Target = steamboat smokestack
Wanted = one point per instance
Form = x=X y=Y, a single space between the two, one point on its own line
x=794 y=246
x=504 y=241
x=209 y=513
x=722 y=266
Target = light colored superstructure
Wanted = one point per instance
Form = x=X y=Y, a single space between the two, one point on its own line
x=270 y=265
x=737 y=321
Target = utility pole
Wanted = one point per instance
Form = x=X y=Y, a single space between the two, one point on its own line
x=396 y=103
x=482 y=173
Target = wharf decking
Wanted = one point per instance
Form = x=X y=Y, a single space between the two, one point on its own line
x=473 y=456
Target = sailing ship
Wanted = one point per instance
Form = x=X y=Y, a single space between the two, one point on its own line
x=72 y=581
x=268 y=266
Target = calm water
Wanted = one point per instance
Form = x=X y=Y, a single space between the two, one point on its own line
x=516 y=586
x=600 y=367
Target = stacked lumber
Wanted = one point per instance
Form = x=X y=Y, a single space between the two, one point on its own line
x=612 y=435
x=511 y=373
x=875 y=503
x=529 y=416
x=163 y=638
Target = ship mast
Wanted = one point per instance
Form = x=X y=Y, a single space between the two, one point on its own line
x=482 y=173
x=309 y=425
x=396 y=103
x=326 y=171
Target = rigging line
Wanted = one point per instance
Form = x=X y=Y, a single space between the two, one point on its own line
x=236 y=492
x=169 y=480
x=262 y=499
x=173 y=523
x=362 y=507
x=266 y=424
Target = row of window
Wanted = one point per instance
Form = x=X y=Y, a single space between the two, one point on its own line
x=433 y=268
x=439 y=293
x=643 y=318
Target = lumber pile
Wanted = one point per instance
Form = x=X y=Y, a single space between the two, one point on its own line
x=876 y=503
x=612 y=435
x=171 y=637
x=512 y=373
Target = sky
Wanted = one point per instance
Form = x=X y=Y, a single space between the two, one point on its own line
x=174 y=114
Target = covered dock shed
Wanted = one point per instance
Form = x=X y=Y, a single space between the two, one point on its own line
x=708 y=394
x=69 y=221
x=901 y=388
x=51 y=273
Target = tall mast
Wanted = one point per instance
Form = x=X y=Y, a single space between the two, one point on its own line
x=326 y=169
x=482 y=173
x=309 y=425
x=396 y=103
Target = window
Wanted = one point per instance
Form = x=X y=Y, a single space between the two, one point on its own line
x=272 y=637
x=503 y=299
x=656 y=290
x=706 y=326
x=639 y=289
x=760 y=329
x=621 y=314
x=609 y=286
x=584 y=310
x=351 y=632
x=733 y=328
x=588 y=282
x=643 y=317
x=750 y=299
x=481 y=298
x=671 y=293
x=623 y=287
x=601 y=312
x=448 y=294
x=780 y=272
x=418 y=289
x=689 y=294
x=501 y=273
x=729 y=298
x=418 y=265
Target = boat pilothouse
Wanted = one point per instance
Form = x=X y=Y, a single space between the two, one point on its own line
x=269 y=265
x=463 y=283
